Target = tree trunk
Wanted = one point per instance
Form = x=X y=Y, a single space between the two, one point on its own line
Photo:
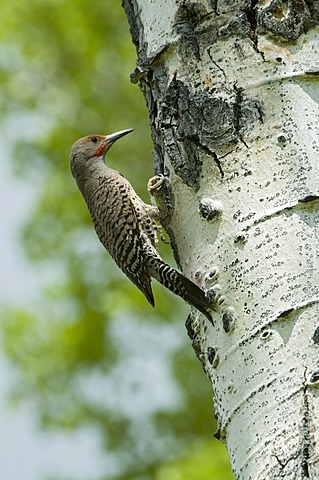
x=233 y=97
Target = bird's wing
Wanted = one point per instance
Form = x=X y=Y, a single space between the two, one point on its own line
x=135 y=263
x=118 y=229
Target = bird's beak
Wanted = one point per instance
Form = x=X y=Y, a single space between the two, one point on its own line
x=110 y=139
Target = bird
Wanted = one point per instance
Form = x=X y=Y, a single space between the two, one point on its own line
x=125 y=225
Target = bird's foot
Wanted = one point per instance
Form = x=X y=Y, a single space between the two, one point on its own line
x=157 y=187
x=155 y=184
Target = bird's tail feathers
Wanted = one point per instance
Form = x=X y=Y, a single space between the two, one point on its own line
x=180 y=285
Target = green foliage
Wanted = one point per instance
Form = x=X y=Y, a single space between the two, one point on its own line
x=64 y=73
x=201 y=462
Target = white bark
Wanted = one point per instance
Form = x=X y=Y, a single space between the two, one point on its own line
x=245 y=223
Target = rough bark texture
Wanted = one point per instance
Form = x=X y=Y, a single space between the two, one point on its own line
x=233 y=95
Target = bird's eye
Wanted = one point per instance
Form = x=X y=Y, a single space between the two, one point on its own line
x=93 y=139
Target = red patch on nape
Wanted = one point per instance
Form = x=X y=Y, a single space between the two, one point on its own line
x=100 y=150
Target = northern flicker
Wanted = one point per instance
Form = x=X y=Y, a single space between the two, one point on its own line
x=125 y=225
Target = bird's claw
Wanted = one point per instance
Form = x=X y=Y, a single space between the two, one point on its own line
x=155 y=183
x=156 y=187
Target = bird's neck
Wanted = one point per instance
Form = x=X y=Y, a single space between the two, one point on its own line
x=94 y=170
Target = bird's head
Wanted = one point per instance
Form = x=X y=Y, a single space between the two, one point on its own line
x=87 y=150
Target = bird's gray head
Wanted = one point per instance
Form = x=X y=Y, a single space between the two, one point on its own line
x=88 y=152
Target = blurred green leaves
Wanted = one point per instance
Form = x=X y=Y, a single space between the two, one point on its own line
x=201 y=462
x=91 y=351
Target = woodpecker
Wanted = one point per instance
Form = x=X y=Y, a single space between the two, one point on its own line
x=125 y=225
